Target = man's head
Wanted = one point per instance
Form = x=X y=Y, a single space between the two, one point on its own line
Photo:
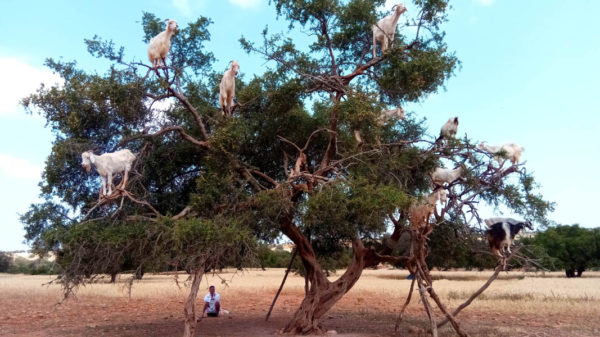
x=212 y=290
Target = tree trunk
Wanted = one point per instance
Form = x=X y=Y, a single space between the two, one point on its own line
x=113 y=277
x=139 y=273
x=189 y=311
x=570 y=272
x=323 y=294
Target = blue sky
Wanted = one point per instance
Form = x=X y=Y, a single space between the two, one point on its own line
x=529 y=75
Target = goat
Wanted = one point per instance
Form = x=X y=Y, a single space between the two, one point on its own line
x=449 y=129
x=443 y=195
x=512 y=151
x=108 y=164
x=384 y=29
x=384 y=117
x=227 y=88
x=159 y=46
x=502 y=231
x=420 y=212
x=442 y=175
x=387 y=115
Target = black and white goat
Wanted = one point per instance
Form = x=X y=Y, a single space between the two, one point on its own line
x=502 y=231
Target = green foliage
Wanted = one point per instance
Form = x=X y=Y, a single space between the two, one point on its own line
x=418 y=72
x=454 y=245
x=572 y=248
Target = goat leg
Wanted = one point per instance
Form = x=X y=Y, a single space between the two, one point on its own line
x=110 y=184
x=124 y=180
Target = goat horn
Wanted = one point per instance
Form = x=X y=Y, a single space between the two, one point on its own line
x=394 y=7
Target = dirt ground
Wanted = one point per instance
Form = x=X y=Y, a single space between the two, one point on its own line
x=156 y=309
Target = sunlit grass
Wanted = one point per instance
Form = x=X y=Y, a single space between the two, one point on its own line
x=515 y=292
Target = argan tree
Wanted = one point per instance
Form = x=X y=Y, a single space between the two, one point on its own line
x=286 y=163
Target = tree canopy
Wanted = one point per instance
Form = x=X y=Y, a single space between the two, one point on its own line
x=206 y=188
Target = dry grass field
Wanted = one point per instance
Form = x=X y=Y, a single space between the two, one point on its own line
x=517 y=304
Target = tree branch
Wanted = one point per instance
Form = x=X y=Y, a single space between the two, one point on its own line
x=166 y=129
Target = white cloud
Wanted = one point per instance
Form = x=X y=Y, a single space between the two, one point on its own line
x=13 y=167
x=19 y=80
x=246 y=3
x=486 y=2
x=183 y=6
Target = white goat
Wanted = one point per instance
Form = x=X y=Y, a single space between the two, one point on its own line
x=227 y=88
x=512 y=151
x=108 y=164
x=442 y=175
x=385 y=29
x=385 y=116
x=449 y=129
x=443 y=195
x=159 y=46
x=420 y=212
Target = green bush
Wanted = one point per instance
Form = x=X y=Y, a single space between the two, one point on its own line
x=277 y=258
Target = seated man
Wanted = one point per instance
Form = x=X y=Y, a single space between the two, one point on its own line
x=212 y=303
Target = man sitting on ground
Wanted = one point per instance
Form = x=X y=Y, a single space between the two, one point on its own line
x=212 y=303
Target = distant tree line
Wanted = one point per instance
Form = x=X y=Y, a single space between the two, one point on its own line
x=571 y=248
x=21 y=265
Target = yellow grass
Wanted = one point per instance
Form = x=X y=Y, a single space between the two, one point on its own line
x=515 y=292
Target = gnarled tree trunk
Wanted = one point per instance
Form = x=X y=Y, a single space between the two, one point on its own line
x=322 y=294
x=189 y=311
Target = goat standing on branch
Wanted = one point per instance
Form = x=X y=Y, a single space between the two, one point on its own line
x=502 y=231
x=384 y=117
x=227 y=88
x=449 y=129
x=512 y=151
x=159 y=46
x=108 y=164
x=387 y=115
x=420 y=212
x=442 y=175
x=384 y=29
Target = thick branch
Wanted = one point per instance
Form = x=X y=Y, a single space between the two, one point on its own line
x=166 y=129
x=193 y=110
x=359 y=70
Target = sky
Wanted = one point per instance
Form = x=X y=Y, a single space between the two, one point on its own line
x=528 y=75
